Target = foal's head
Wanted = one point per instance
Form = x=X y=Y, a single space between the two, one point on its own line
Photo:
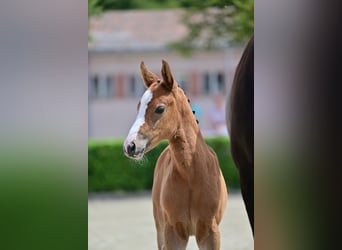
x=158 y=112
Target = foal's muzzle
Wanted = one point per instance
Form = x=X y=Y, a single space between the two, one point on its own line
x=134 y=146
x=131 y=149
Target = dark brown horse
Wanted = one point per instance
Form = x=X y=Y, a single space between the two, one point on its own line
x=240 y=121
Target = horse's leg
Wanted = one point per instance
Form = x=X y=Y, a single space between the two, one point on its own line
x=160 y=237
x=159 y=224
x=176 y=237
x=208 y=236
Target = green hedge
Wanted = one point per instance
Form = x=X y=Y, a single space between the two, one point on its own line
x=110 y=170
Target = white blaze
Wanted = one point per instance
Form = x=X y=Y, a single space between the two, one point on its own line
x=140 y=120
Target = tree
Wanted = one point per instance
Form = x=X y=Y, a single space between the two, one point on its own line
x=213 y=23
x=138 y=4
x=94 y=7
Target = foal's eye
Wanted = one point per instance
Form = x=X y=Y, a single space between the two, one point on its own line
x=160 y=109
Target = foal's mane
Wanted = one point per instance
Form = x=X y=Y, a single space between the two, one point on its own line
x=193 y=111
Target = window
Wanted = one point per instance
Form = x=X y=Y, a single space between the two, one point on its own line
x=136 y=86
x=181 y=80
x=94 y=86
x=206 y=82
x=221 y=83
x=109 y=87
x=213 y=83
x=101 y=87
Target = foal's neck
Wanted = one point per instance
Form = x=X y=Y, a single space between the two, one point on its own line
x=187 y=142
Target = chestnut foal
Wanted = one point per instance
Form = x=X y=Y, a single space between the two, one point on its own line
x=189 y=193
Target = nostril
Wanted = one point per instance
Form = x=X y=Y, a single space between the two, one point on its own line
x=131 y=148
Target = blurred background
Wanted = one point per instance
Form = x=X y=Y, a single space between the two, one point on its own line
x=45 y=153
x=200 y=40
x=203 y=42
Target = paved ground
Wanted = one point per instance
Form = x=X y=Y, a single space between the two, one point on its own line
x=125 y=222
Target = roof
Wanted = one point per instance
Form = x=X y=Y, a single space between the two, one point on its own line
x=135 y=30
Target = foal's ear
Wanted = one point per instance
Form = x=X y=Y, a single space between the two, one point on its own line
x=148 y=76
x=168 y=80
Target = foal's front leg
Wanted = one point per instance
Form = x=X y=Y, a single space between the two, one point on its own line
x=208 y=237
x=160 y=239
x=175 y=237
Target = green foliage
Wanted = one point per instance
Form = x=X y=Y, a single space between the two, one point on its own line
x=116 y=4
x=215 y=23
x=220 y=22
x=242 y=27
x=110 y=170
x=202 y=4
x=94 y=7
x=138 y=4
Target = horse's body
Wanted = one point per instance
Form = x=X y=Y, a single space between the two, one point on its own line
x=241 y=126
x=189 y=193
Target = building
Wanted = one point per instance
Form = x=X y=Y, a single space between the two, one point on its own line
x=120 y=40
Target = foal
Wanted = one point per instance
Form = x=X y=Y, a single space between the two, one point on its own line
x=189 y=193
